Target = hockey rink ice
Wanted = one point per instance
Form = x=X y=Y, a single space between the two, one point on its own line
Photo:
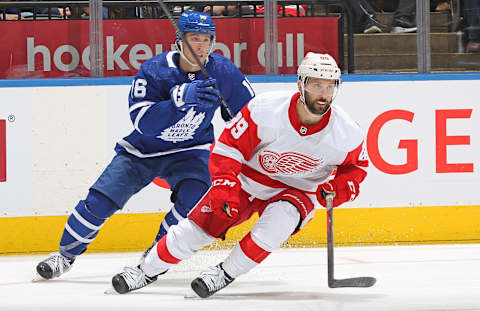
x=420 y=278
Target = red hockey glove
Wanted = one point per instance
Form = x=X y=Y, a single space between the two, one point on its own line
x=346 y=189
x=224 y=196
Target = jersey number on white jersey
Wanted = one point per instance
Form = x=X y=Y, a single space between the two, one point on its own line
x=239 y=128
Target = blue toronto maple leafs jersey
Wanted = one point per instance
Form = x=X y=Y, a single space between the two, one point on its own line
x=160 y=127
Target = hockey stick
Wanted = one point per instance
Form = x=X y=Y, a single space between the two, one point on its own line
x=197 y=60
x=365 y=281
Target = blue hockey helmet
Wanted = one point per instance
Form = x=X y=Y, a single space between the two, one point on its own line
x=196 y=22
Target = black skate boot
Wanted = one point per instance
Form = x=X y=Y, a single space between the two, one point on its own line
x=211 y=281
x=54 y=266
x=130 y=279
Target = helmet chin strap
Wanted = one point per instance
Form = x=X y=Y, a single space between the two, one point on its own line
x=180 y=49
x=304 y=104
x=179 y=45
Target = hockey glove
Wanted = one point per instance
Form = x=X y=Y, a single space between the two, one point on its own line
x=224 y=196
x=198 y=92
x=345 y=188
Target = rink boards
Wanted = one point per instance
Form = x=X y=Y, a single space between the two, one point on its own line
x=422 y=134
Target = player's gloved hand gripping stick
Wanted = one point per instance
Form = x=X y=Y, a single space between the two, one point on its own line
x=224 y=196
x=332 y=282
x=198 y=92
x=197 y=61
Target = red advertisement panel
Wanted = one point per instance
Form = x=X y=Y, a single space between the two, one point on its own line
x=34 y=49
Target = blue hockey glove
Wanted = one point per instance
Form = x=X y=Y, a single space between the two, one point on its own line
x=198 y=92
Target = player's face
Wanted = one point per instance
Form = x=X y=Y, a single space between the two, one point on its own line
x=319 y=94
x=200 y=44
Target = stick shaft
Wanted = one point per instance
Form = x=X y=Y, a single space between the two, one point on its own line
x=330 y=242
x=365 y=281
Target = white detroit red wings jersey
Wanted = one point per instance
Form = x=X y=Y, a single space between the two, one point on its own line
x=270 y=150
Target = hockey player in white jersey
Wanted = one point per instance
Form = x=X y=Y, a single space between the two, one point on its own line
x=276 y=158
x=172 y=104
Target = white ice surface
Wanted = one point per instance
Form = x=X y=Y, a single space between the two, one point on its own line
x=420 y=278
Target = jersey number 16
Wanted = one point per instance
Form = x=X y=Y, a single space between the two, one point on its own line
x=138 y=88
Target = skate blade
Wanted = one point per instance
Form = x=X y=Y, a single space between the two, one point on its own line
x=190 y=294
x=110 y=291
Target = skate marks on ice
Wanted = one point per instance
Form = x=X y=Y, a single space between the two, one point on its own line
x=409 y=279
x=293 y=295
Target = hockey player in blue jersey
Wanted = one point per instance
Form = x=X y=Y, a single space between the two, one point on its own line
x=172 y=104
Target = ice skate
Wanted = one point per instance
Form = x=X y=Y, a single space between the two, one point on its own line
x=211 y=281
x=130 y=279
x=53 y=267
x=144 y=254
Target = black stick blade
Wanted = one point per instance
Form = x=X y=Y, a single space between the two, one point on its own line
x=353 y=282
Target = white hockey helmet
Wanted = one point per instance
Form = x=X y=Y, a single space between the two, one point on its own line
x=321 y=66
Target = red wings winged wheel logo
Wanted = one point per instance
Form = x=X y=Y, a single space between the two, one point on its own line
x=288 y=163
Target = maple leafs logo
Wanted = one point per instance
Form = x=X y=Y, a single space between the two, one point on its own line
x=288 y=163
x=184 y=129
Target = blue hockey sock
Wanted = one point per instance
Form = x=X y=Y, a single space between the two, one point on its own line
x=188 y=193
x=84 y=223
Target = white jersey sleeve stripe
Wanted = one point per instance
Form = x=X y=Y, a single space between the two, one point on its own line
x=139 y=117
x=228 y=151
x=140 y=105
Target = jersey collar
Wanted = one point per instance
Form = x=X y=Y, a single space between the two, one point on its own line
x=170 y=59
x=173 y=60
x=300 y=128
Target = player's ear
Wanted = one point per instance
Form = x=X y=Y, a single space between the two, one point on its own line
x=299 y=84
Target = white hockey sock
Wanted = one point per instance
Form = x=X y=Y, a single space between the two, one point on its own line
x=237 y=263
x=275 y=225
x=152 y=265
x=181 y=242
